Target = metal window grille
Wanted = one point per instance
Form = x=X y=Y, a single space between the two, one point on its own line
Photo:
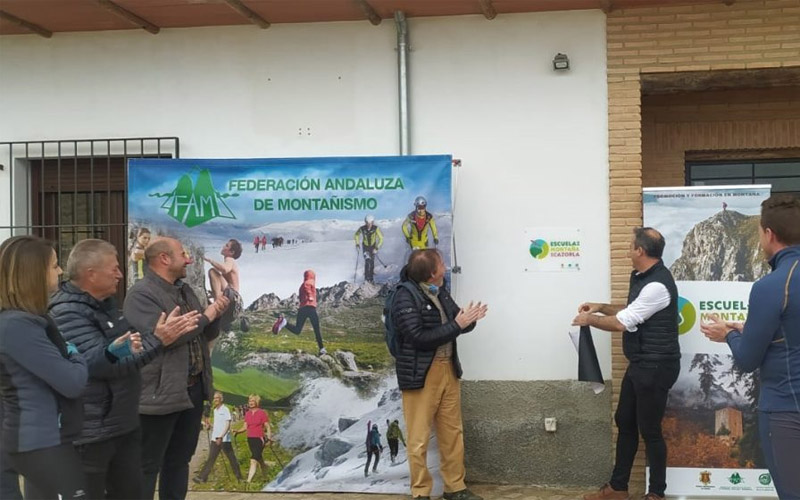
x=70 y=190
x=783 y=174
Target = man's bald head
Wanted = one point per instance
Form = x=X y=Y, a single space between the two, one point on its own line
x=165 y=257
x=159 y=246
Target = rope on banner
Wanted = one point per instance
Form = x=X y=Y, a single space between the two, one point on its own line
x=456 y=269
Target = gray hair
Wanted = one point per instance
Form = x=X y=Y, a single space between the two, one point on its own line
x=88 y=253
x=649 y=240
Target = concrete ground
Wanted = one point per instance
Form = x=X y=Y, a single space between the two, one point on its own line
x=489 y=492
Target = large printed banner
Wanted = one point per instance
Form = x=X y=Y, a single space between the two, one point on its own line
x=713 y=252
x=308 y=248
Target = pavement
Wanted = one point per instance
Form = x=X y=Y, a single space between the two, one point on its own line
x=487 y=491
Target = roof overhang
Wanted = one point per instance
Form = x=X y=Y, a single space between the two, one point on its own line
x=45 y=17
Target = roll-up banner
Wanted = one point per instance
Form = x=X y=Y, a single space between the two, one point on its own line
x=712 y=250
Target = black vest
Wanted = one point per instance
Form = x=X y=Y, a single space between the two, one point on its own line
x=657 y=338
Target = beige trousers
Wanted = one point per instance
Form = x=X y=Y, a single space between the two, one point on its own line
x=437 y=404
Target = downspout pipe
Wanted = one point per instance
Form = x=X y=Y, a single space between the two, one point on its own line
x=402 y=79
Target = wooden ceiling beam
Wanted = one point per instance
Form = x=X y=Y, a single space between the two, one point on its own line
x=129 y=16
x=488 y=9
x=369 y=12
x=607 y=6
x=700 y=81
x=248 y=13
x=25 y=24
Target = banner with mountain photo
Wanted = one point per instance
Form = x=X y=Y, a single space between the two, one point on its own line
x=309 y=248
x=712 y=249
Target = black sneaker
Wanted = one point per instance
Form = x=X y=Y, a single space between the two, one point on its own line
x=464 y=494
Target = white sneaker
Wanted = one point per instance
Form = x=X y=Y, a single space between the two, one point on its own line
x=279 y=324
x=323 y=351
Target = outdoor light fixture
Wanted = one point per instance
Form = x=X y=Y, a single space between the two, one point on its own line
x=560 y=62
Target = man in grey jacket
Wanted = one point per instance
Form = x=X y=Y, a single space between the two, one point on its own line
x=175 y=384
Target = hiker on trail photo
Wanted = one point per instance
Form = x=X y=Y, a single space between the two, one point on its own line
x=371 y=240
x=374 y=447
x=415 y=227
x=220 y=440
x=393 y=436
x=307 y=311
x=256 y=425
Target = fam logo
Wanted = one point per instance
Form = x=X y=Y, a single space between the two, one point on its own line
x=735 y=478
x=705 y=478
x=539 y=249
x=765 y=479
x=194 y=202
x=687 y=315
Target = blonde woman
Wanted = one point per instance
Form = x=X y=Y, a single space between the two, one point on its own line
x=42 y=376
x=256 y=424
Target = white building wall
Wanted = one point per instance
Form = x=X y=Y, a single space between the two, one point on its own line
x=533 y=141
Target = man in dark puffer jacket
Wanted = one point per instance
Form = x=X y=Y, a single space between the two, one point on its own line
x=428 y=371
x=87 y=316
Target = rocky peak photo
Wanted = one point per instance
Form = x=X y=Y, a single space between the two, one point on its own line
x=723 y=247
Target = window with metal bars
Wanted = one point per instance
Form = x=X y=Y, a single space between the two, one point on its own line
x=70 y=190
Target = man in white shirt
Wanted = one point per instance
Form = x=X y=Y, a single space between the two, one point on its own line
x=650 y=342
x=220 y=441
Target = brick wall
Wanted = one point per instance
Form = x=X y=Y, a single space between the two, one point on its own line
x=746 y=35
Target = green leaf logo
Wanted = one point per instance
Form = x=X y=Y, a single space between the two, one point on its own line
x=735 y=478
x=687 y=315
x=539 y=249
x=194 y=202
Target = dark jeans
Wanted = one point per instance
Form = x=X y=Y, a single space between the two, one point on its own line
x=303 y=314
x=394 y=446
x=168 y=443
x=369 y=263
x=113 y=467
x=51 y=472
x=213 y=453
x=642 y=402
x=374 y=450
x=780 y=442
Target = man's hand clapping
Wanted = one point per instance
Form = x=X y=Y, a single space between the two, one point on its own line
x=171 y=328
x=471 y=314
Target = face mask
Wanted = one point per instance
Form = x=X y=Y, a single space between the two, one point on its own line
x=433 y=289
